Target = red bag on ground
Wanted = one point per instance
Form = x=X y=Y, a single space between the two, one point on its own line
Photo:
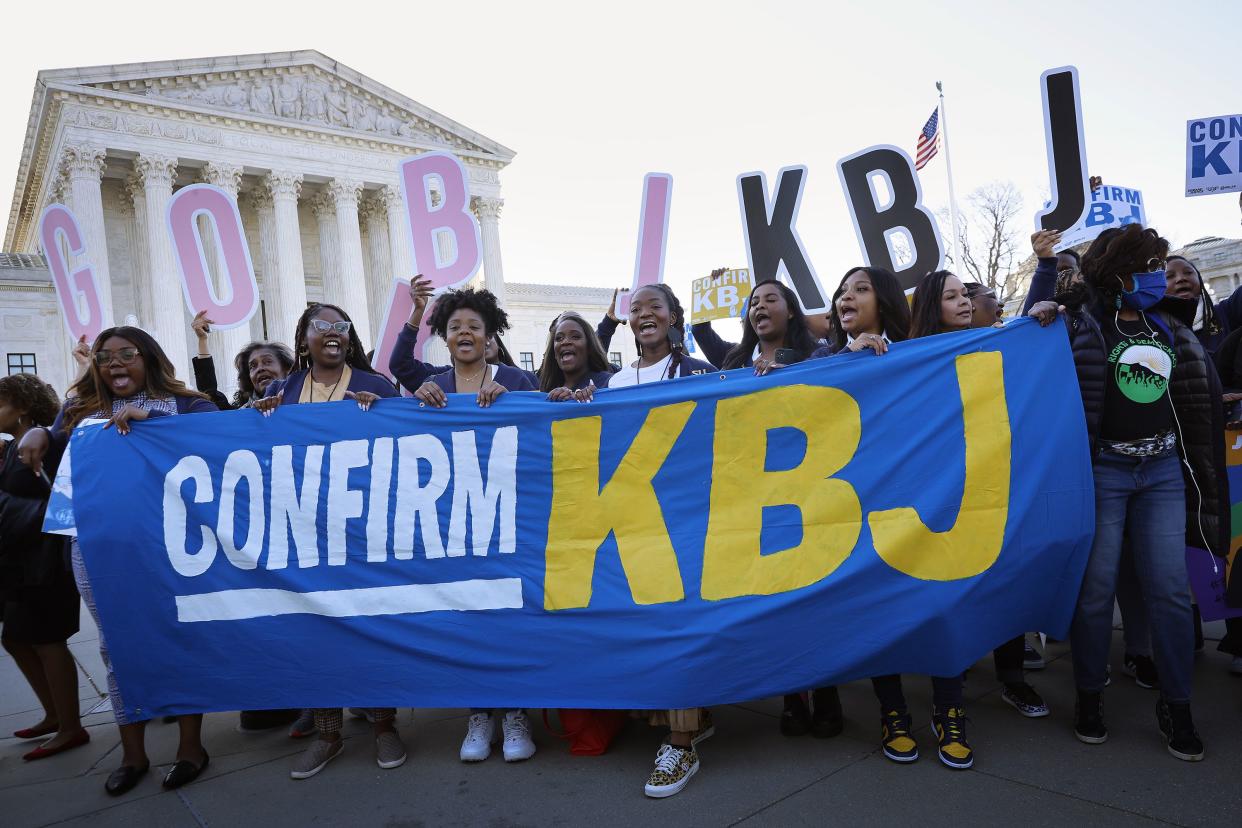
x=589 y=732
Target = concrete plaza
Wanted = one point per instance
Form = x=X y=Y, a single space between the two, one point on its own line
x=1027 y=771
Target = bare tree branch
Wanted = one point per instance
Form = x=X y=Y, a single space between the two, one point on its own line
x=988 y=237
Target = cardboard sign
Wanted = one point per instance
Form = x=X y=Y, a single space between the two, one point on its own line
x=880 y=217
x=1109 y=207
x=773 y=246
x=720 y=298
x=652 y=236
x=427 y=222
x=1214 y=155
x=84 y=317
x=1067 y=149
x=241 y=297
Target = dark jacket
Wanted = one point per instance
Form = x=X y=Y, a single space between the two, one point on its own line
x=714 y=347
x=205 y=381
x=1043 y=283
x=289 y=389
x=605 y=330
x=1228 y=313
x=513 y=379
x=28 y=558
x=1196 y=392
x=409 y=371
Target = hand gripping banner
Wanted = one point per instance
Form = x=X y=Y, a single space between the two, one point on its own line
x=698 y=541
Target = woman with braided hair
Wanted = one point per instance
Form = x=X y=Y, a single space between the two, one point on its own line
x=659 y=326
x=332 y=366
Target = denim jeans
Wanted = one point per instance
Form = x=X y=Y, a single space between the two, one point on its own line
x=1143 y=500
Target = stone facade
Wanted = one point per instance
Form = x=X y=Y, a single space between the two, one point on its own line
x=308 y=147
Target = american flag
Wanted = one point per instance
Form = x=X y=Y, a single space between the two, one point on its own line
x=929 y=141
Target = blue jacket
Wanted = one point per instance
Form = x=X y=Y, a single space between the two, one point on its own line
x=409 y=371
x=513 y=379
x=714 y=347
x=289 y=389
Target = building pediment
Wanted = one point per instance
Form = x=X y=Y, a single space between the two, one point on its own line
x=306 y=87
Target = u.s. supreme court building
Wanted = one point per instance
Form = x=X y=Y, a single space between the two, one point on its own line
x=310 y=150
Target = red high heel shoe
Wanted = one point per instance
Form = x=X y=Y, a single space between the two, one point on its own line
x=81 y=738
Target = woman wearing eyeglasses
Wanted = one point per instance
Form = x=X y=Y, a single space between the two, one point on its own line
x=332 y=366
x=129 y=379
x=1152 y=405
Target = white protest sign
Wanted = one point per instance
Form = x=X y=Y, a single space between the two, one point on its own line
x=721 y=297
x=1214 y=155
x=1109 y=207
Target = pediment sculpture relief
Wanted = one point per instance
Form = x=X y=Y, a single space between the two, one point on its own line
x=302 y=99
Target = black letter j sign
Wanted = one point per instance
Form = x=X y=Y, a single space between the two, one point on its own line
x=1067 y=151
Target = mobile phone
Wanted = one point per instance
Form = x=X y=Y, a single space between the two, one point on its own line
x=788 y=356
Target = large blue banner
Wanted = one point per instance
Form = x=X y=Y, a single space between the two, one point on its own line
x=699 y=541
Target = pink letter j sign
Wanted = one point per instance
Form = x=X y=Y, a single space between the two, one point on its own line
x=240 y=297
x=77 y=292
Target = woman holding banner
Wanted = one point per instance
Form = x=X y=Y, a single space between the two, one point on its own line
x=332 y=366
x=257 y=365
x=469 y=321
x=940 y=306
x=38 y=599
x=869 y=310
x=1152 y=404
x=774 y=322
x=129 y=379
x=574 y=362
x=658 y=323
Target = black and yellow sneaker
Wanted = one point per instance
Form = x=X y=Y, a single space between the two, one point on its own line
x=898 y=744
x=950 y=727
x=673 y=768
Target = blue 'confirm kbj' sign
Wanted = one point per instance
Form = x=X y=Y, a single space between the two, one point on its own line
x=698 y=541
x=1214 y=155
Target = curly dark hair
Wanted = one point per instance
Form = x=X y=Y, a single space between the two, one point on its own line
x=482 y=301
x=1120 y=252
x=677 y=322
x=890 y=302
x=355 y=354
x=245 y=388
x=28 y=393
x=797 y=335
x=90 y=393
x=551 y=375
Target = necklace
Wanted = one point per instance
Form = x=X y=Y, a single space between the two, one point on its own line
x=638 y=377
x=461 y=380
x=331 y=391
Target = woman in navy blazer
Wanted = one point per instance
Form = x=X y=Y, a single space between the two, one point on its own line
x=467 y=320
x=331 y=355
x=574 y=362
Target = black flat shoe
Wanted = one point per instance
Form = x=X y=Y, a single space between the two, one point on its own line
x=184 y=772
x=826 y=720
x=124 y=778
x=795 y=717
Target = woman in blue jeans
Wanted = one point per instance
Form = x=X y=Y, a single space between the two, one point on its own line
x=1151 y=399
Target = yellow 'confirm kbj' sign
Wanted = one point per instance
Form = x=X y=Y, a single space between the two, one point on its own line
x=721 y=297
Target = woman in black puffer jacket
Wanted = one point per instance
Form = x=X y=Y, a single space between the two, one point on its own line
x=1151 y=399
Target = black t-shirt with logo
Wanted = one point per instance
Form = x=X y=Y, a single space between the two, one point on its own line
x=1136 y=391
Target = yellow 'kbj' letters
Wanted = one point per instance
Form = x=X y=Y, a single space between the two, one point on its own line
x=831 y=513
x=583 y=512
x=974 y=542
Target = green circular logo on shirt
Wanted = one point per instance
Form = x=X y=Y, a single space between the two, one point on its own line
x=1143 y=373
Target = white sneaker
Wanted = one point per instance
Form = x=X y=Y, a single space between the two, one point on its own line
x=518 y=744
x=480 y=734
x=1235 y=666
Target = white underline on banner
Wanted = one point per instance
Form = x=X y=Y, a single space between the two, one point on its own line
x=240 y=604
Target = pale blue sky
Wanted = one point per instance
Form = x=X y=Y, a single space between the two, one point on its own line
x=591 y=101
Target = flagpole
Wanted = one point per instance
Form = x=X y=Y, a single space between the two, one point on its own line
x=948 y=166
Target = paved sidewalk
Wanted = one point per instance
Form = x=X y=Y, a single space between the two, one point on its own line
x=1027 y=772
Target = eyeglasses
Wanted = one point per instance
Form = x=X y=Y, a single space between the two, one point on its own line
x=323 y=327
x=1154 y=265
x=1067 y=272
x=125 y=355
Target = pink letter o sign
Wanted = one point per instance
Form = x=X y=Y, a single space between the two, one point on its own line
x=241 y=294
